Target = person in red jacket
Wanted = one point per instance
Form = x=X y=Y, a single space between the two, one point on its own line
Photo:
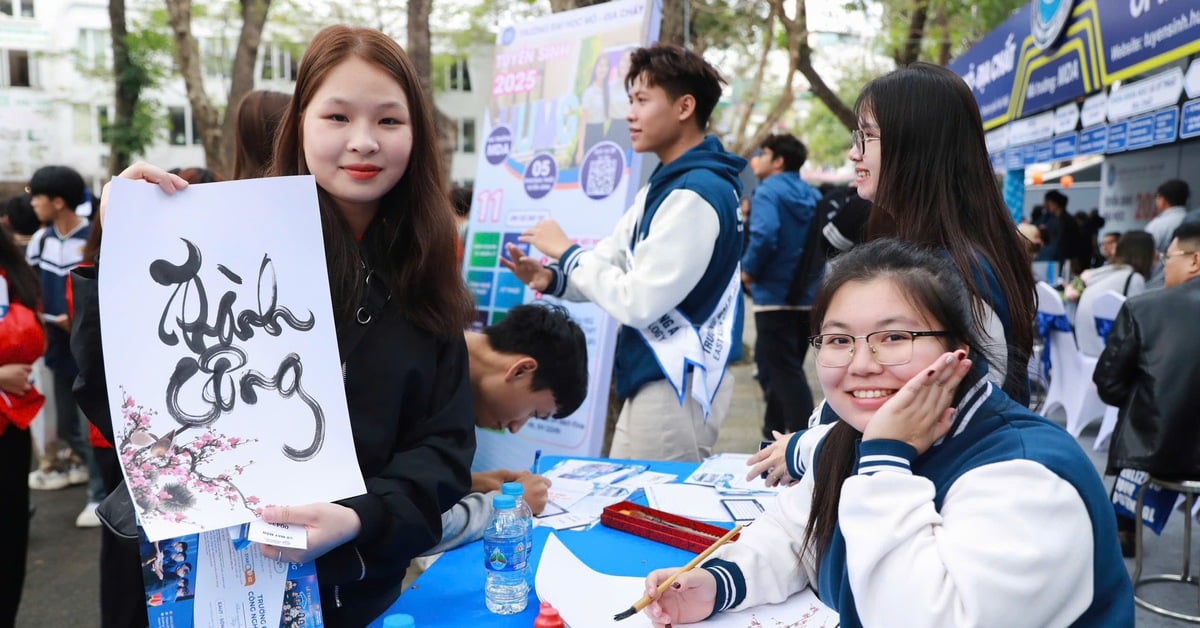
x=22 y=341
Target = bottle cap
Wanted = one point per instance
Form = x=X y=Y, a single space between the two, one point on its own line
x=501 y=502
x=399 y=620
x=548 y=617
x=516 y=489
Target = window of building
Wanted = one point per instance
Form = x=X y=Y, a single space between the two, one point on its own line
x=16 y=68
x=216 y=56
x=95 y=50
x=279 y=63
x=459 y=79
x=466 y=135
x=104 y=123
x=178 y=126
x=17 y=8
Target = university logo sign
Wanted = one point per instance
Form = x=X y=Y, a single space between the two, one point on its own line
x=1047 y=20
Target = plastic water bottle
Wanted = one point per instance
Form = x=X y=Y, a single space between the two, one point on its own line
x=504 y=554
x=517 y=490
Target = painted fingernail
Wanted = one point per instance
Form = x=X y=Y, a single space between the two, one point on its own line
x=931 y=371
x=676 y=585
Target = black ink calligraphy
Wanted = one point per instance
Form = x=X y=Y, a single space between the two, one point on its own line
x=217 y=356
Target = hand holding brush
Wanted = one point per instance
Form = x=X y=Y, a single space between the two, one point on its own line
x=666 y=584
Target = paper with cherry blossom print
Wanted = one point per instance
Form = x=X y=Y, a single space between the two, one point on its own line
x=220 y=350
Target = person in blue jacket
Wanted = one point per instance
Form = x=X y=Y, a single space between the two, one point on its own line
x=669 y=272
x=781 y=214
x=934 y=499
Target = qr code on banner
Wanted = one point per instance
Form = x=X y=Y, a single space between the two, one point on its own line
x=601 y=176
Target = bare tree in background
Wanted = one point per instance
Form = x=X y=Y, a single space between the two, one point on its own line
x=217 y=133
x=419 y=50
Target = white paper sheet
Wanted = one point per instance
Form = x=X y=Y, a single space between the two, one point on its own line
x=594 y=471
x=727 y=473
x=586 y=598
x=224 y=376
x=647 y=478
x=565 y=492
x=687 y=500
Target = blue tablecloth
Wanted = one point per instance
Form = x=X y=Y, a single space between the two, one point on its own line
x=450 y=593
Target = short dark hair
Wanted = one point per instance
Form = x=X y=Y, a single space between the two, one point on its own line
x=21 y=216
x=679 y=72
x=786 y=145
x=1115 y=234
x=1059 y=198
x=1188 y=232
x=1174 y=191
x=58 y=182
x=547 y=334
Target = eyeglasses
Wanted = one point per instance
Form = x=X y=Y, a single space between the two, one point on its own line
x=1170 y=254
x=859 y=139
x=890 y=346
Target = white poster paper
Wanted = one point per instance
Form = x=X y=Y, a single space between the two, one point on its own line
x=220 y=352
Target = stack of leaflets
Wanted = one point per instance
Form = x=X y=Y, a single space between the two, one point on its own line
x=580 y=489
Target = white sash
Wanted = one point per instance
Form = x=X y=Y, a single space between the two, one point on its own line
x=677 y=343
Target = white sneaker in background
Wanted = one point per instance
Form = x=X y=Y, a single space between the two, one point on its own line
x=48 y=480
x=87 y=518
x=77 y=474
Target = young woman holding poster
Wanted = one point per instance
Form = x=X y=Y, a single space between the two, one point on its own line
x=358 y=122
x=935 y=499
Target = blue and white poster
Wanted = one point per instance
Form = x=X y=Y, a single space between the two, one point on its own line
x=556 y=146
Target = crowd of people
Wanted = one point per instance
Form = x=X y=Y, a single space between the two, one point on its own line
x=912 y=473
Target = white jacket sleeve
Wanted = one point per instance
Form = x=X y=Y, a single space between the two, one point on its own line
x=764 y=566
x=1012 y=546
x=666 y=265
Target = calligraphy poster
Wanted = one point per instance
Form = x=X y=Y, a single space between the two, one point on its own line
x=556 y=146
x=220 y=351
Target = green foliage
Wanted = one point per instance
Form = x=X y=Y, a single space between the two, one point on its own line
x=966 y=23
x=823 y=133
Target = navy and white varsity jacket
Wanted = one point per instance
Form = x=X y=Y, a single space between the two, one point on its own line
x=1004 y=522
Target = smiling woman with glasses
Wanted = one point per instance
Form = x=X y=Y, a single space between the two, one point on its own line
x=929 y=476
x=919 y=157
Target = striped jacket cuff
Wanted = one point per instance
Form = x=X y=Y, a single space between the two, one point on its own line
x=558 y=281
x=570 y=259
x=875 y=456
x=795 y=462
x=731 y=585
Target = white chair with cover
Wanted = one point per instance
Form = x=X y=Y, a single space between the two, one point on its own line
x=1070 y=372
x=1104 y=311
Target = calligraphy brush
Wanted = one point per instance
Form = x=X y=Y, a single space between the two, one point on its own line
x=637 y=514
x=645 y=601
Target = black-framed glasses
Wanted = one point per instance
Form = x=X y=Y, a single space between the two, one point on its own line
x=889 y=346
x=859 y=139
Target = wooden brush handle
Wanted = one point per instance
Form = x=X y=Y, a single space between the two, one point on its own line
x=645 y=601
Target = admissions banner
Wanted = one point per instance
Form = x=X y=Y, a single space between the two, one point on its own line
x=1099 y=42
x=556 y=145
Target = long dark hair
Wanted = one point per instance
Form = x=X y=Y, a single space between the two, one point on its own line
x=932 y=286
x=258 y=118
x=23 y=284
x=411 y=241
x=936 y=188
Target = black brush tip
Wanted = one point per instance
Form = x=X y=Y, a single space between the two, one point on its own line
x=625 y=614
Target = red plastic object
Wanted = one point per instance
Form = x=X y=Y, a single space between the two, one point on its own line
x=548 y=617
x=664 y=527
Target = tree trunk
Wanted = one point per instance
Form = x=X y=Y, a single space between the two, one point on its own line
x=187 y=57
x=943 y=28
x=127 y=91
x=800 y=59
x=254 y=17
x=910 y=51
x=422 y=57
